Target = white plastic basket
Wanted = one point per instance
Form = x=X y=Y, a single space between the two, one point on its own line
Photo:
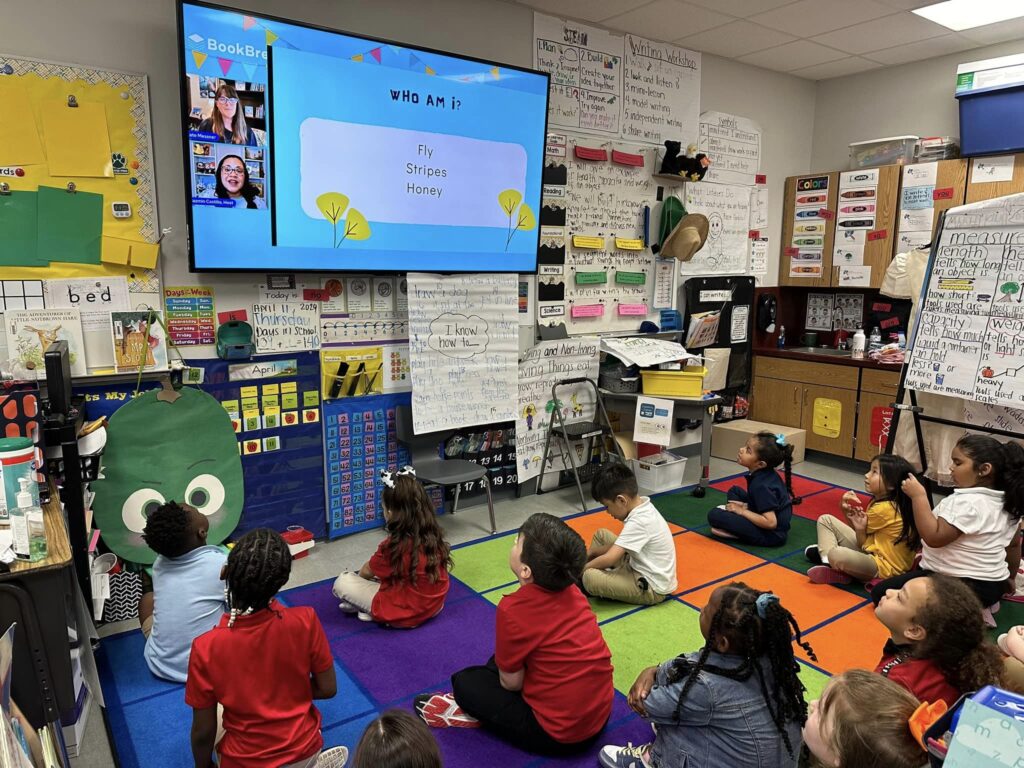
x=661 y=472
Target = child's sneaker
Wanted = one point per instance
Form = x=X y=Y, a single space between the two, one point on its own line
x=624 y=757
x=364 y=616
x=346 y=607
x=440 y=710
x=822 y=574
x=813 y=555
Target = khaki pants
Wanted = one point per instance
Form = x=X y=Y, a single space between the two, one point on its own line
x=619 y=583
x=837 y=544
x=353 y=588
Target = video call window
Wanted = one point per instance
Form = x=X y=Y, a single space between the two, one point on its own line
x=227 y=131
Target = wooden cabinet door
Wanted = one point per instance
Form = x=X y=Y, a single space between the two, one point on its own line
x=798 y=189
x=843 y=404
x=776 y=402
x=878 y=250
x=873 y=424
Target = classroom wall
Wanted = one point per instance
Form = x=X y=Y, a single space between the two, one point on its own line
x=915 y=99
x=140 y=36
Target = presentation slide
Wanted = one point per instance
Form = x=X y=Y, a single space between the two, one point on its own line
x=424 y=163
x=316 y=150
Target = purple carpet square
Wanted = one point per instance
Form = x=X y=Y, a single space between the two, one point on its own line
x=337 y=624
x=395 y=664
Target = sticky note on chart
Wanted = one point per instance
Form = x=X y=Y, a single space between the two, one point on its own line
x=588 y=310
x=70 y=225
x=77 y=139
x=19 y=134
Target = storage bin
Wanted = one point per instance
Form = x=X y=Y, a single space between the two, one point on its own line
x=688 y=382
x=991 y=105
x=661 y=472
x=894 y=150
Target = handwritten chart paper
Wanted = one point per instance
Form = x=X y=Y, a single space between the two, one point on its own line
x=969 y=340
x=734 y=146
x=544 y=364
x=661 y=97
x=585 y=64
x=463 y=349
x=727 y=249
x=286 y=326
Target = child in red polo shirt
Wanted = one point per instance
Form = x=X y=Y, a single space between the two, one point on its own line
x=406 y=580
x=264 y=664
x=548 y=687
x=938 y=648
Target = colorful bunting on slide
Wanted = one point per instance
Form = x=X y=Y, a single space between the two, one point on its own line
x=357 y=57
x=250 y=71
x=225 y=65
x=376 y=54
x=429 y=71
x=248 y=22
x=199 y=58
x=496 y=73
x=271 y=37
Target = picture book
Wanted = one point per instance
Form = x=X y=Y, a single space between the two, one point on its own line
x=137 y=343
x=30 y=332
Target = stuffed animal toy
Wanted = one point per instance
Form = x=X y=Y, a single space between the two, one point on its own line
x=692 y=166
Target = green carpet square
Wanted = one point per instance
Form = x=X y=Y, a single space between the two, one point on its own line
x=603 y=609
x=685 y=509
x=649 y=637
x=801 y=534
x=814 y=681
x=484 y=566
x=1008 y=615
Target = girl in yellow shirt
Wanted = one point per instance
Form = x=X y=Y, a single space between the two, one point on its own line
x=880 y=541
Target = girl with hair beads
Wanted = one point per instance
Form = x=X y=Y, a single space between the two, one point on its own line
x=938 y=647
x=760 y=514
x=880 y=541
x=406 y=580
x=974 y=533
x=397 y=739
x=862 y=721
x=263 y=664
x=737 y=702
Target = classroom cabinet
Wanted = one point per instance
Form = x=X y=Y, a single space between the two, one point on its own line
x=834 y=404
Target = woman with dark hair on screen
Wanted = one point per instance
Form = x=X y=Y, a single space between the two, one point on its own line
x=227 y=120
x=233 y=183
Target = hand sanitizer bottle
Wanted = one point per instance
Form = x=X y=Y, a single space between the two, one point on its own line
x=27 y=527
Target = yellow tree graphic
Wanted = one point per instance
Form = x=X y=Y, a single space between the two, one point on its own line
x=521 y=219
x=332 y=205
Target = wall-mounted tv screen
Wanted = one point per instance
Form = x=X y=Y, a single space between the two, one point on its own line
x=314 y=150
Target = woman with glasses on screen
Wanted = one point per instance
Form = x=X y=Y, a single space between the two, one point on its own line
x=233 y=184
x=227 y=120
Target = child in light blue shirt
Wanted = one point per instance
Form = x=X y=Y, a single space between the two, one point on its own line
x=188 y=595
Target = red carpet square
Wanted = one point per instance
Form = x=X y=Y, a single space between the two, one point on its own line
x=826 y=503
x=802 y=486
x=810 y=603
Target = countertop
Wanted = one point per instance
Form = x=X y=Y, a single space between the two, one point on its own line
x=832 y=359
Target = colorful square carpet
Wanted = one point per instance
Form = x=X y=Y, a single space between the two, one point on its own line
x=382 y=668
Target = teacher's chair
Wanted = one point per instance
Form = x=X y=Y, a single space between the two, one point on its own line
x=433 y=470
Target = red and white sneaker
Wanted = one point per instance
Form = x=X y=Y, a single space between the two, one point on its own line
x=822 y=574
x=440 y=710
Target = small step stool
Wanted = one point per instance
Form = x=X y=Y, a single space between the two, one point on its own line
x=566 y=433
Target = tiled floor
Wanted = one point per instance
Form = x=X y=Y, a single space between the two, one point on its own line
x=666 y=629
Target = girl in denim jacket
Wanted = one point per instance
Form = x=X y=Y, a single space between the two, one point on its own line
x=737 y=702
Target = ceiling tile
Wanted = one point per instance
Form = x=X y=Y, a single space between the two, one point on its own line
x=922 y=49
x=741 y=8
x=811 y=17
x=882 y=33
x=589 y=10
x=1000 y=32
x=837 y=68
x=801 y=53
x=668 y=20
x=907 y=5
x=736 y=39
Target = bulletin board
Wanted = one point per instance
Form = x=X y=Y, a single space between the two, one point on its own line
x=596 y=272
x=109 y=158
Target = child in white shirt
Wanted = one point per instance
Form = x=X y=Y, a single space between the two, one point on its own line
x=639 y=565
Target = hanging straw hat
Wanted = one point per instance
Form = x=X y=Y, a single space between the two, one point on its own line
x=687 y=238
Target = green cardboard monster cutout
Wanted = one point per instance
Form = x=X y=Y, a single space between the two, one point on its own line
x=158 y=451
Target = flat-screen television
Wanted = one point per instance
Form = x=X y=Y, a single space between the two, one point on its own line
x=308 y=149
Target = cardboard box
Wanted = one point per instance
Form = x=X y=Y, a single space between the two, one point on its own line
x=727 y=438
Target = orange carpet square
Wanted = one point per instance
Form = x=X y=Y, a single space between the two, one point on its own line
x=854 y=641
x=587 y=525
x=810 y=603
x=700 y=560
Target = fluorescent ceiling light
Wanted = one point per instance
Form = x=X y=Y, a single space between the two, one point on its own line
x=967 y=14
